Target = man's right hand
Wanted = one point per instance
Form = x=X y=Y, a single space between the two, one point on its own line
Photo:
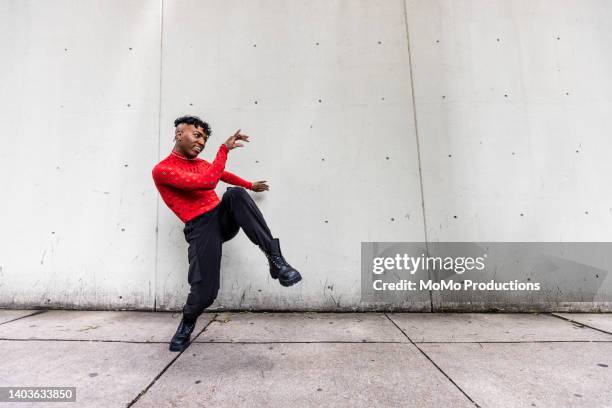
x=260 y=186
x=232 y=141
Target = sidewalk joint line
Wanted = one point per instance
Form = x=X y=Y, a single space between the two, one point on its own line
x=581 y=324
x=317 y=341
x=36 y=312
x=168 y=365
x=303 y=342
x=513 y=341
x=433 y=362
x=88 y=340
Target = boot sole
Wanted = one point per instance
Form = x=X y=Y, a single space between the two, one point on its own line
x=291 y=282
x=179 y=348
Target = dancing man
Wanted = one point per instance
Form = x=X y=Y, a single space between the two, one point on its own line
x=187 y=184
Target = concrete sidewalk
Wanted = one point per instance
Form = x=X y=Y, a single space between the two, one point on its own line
x=118 y=359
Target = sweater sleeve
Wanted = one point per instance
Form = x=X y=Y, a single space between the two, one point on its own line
x=231 y=178
x=184 y=180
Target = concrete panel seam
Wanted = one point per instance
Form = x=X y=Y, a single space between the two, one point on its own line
x=159 y=108
x=416 y=132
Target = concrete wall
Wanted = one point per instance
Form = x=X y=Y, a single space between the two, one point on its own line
x=372 y=120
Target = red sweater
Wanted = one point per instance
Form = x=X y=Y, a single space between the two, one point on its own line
x=187 y=186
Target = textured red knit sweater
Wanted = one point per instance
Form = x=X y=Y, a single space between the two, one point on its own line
x=187 y=186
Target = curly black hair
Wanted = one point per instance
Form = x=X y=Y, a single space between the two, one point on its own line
x=195 y=121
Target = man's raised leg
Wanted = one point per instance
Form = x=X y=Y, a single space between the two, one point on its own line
x=239 y=210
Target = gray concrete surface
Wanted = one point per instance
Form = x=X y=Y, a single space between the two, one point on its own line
x=482 y=327
x=302 y=327
x=98 y=325
x=104 y=374
x=121 y=359
x=566 y=374
x=304 y=375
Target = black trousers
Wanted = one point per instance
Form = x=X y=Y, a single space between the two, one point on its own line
x=207 y=232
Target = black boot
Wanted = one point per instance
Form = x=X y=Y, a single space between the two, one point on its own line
x=180 y=340
x=279 y=268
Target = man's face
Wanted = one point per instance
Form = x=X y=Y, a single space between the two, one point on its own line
x=190 y=139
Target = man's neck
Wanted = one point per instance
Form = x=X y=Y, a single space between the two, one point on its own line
x=177 y=152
